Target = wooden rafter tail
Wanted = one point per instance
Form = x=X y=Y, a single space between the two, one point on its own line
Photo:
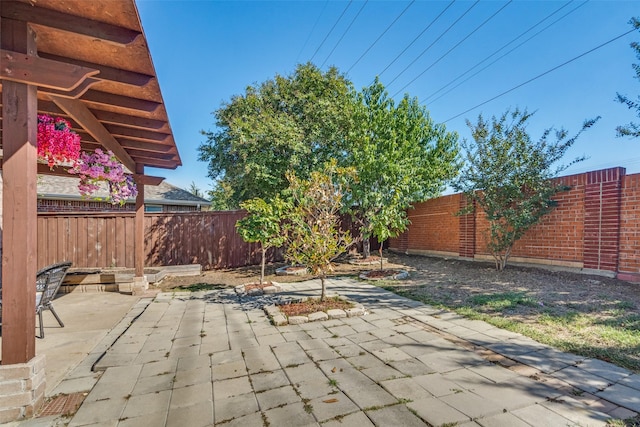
x=45 y=73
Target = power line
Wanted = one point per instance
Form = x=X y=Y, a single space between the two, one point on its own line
x=380 y=36
x=454 y=47
x=331 y=30
x=417 y=37
x=542 y=74
x=312 y=29
x=507 y=53
x=434 y=42
x=345 y=33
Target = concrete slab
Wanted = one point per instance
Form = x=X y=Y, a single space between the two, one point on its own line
x=374 y=370
x=296 y=414
x=436 y=412
x=622 y=395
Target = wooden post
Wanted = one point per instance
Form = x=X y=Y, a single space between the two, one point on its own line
x=139 y=224
x=19 y=198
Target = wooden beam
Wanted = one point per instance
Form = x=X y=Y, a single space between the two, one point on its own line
x=49 y=107
x=31 y=69
x=81 y=114
x=126 y=132
x=62 y=171
x=80 y=90
x=147 y=146
x=128 y=120
x=149 y=155
x=148 y=180
x=20 y=205
x=164 y=164
x=104 y=98
x=63 y=21
x=139 y=225
x=106 y=73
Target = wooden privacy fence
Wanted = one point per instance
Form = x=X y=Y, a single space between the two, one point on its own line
x=106 y=240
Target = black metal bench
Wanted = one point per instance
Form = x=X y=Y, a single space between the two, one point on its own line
x=48 y=281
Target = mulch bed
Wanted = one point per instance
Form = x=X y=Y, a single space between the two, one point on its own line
x=314 y=305
x=380 y=274
x=386 y=274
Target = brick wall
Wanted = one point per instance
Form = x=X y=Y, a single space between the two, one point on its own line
x=595 y=227
x=434 y=227
x=629 y=260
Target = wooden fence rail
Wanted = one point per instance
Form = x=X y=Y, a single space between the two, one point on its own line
x=94 y=240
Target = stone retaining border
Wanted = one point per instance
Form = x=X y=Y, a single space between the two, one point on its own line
x=273 y=289
x=278 y=318
x=298 y=270
x=400 y=275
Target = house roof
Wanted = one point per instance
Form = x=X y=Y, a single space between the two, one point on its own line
x=66 y=188
x=93 y=67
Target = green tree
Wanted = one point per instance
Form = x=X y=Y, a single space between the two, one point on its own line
x=262 y=224
x=314 y=235
x=295 y=122
x=400 y=156
x=632 y=129
x=508 y=176
x=195 y=190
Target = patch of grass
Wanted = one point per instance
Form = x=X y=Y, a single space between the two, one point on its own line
x=625 y=305
x=502 y=301
x=609 y=335
x=308 y=408
x=629 y=422
x=333 y=382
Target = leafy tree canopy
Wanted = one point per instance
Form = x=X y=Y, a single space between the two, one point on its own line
x=262 y=224
x=400 y=156
x=508 y=175
x=632 y=129
x=314 y=235
x=295 y=123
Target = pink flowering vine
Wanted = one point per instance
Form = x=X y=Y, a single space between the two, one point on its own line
x=100 y=166
x=57 y=143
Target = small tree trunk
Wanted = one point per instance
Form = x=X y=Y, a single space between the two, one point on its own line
x=322 y=293
x=366 y=247
x=380 y=256
x=264 y=256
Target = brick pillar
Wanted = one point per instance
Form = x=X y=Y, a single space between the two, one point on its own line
x=401 y=243
x=602 y=218
x=467 y=247
x=22 y=389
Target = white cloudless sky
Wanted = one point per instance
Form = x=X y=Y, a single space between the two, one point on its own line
x=207 y=51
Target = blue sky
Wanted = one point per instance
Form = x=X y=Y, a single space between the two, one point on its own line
x=205 y=52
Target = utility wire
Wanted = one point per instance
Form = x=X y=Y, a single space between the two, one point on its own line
x=345 y=33
x=453 y=48
x=507 y=53
x=434 y=42
x=542 y=74
x=312 y=29
x=331 y=30
x=417 y=37
x=380 y=36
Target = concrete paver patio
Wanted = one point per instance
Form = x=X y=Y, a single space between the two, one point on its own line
x=207 y=358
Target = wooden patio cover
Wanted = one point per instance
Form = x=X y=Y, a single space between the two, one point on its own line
x=86 y=61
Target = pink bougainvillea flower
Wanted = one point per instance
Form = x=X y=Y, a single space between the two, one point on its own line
x=57 y=143
x=94 y=168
